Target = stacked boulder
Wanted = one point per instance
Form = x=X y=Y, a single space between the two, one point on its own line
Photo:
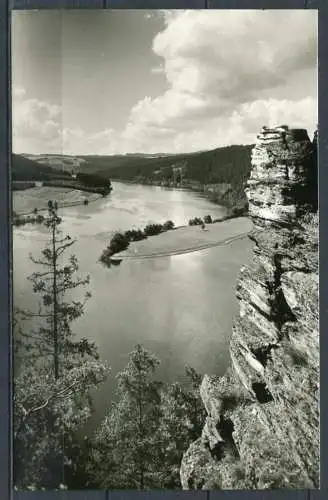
x=282 y=185
x=262 y=425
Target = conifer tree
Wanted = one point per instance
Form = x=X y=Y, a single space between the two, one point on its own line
x=128 y=443
x=140 y=443
x=53 y=373
x=50 y=336
x=182 y=419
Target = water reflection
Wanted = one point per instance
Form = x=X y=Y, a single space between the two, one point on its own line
x=181 y=307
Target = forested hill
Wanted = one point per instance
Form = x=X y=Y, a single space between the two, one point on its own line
x=220 y=173
x=230 y=164
x=24 y=169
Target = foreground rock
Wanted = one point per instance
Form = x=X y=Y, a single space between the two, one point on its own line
x=262 y=428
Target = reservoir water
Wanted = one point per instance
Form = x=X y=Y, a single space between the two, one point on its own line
x=180 y=307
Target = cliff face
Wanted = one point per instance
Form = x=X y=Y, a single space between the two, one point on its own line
x=262 y=425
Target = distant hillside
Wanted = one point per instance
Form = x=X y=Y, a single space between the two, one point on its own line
x=63 y=163
x=230 y=164
x=25 y=169
x=220 y=173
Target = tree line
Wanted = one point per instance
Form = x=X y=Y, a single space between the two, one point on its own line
x=230 y=164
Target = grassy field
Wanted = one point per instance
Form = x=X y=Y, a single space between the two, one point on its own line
x=24 y=202
x=187 y=239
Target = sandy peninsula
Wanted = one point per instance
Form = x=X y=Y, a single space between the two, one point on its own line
x=187 y=239
x=25 y=202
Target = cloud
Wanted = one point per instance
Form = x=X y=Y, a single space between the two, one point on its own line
x=18 y=92
x=217 y=64
x=228 y=73
x=78 y=141
x=158 y=70
x=35 y=124
x=238 y=127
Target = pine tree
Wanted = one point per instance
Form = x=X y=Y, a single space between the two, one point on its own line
x=47 y=414
x=150 y=425
x=53 y=372
x=128 y=442
x=52 y=337
x=183 y=416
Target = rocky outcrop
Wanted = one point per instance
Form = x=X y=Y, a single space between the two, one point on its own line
x=281 y=186
x=262 y=425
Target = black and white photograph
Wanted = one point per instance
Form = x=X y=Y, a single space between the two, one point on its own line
x=165 y=268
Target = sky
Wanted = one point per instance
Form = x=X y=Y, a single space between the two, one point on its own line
x=129 y=81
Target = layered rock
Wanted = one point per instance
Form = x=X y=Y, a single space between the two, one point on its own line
x=262 y=426
x=281 y=186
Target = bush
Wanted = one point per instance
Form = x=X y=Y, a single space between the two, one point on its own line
x=118 y=243
x=129 y=235
x=105 y=256
x=135 y=235
x=197 y=221
x=153 y=229
x=168 y=225
x=139 y=235
x=208 y=219
x=239 y=211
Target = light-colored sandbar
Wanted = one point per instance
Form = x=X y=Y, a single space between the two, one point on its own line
x=187 y=239
x=24 y=202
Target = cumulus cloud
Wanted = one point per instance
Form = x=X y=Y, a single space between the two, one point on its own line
x=35 y=124
x=158 y=70
x=227 y=72
x=223 y=69
x=105 y=142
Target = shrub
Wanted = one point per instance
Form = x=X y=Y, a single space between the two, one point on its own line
x=134 y=235
x=118 y=243
x=153 y=229
x=105 y=256
x=197 y=221
x=168 y=225
x=208 y=219
x=129 y=234
x=238 y=211
x=139 y=235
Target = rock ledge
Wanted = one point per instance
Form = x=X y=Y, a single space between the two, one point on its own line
x=262 y=425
